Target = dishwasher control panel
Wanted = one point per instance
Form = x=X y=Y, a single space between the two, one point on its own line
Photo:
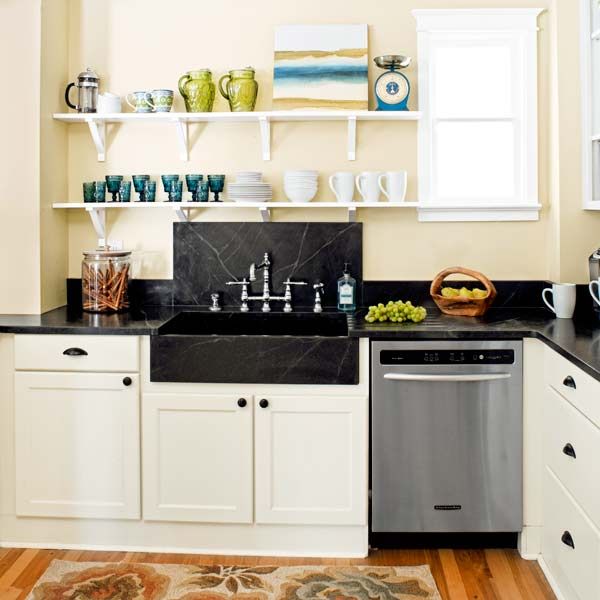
x=446 y=357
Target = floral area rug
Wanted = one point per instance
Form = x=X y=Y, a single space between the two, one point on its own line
x=66 y=580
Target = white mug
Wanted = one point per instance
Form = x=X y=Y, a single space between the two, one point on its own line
x=367 y=184
x=342 y=185
x=396 y=185
x=109 y=103
x=591 y=288
x=563 y=298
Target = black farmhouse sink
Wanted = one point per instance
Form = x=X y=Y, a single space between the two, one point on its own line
x=227 y=347
x=296 y=324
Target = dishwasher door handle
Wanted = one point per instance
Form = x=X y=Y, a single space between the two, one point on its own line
x=459 y=378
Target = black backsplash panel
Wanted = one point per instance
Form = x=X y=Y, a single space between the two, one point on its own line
x=207 y=255
x=514 y=294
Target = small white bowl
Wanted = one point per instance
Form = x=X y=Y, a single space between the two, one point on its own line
x=300 y=195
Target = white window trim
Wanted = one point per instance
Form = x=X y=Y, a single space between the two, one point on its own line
x=589 y=138
x=521 y=24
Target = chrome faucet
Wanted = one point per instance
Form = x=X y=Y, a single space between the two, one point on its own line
x=266 y=297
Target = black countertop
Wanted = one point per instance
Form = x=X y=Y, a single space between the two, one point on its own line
x=577 y=339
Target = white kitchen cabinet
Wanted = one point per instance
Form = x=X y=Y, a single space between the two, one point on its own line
x=77 y=445
x=311 y=459
x=197 y=457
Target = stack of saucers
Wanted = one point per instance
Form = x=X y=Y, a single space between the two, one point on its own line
x=249 y=187
x=300 y=186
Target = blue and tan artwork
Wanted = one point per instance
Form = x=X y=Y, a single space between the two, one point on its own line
x=321 y=66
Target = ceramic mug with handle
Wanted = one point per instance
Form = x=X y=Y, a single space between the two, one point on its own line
x=342 y=185
x=595 y=294
x=396 y=182
x=563 y=299
x=142 y=102
x=367 y=184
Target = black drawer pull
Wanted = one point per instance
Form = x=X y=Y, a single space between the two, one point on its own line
x=127 y=381
x=569 y=382
x=242 y=402
x=263 y=403
x=75 y=352
x=569 y=451
x=567 y=539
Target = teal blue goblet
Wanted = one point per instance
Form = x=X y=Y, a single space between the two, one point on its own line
x=113 y=183
x=139 y=184
x=193 y=182
x=216 y=184
x=203 y=191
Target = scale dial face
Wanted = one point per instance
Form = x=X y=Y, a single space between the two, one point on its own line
x=391 y=88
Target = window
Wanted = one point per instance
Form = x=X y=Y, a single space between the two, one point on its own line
x=590 y=96
x=478 y=134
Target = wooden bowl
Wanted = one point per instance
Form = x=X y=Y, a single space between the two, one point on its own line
x=458 y=305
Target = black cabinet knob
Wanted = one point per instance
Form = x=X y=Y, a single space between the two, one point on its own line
x=567 y=539
x=569 y=382
x=127 y=381
x=242 y=402
x=75 y=352
x=569 y=451
x=263 y=403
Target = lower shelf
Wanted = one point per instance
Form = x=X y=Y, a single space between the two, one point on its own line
x=183 y=210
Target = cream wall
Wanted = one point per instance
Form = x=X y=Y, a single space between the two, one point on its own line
x=135 y=44
x=138 y=44
x=20 y=26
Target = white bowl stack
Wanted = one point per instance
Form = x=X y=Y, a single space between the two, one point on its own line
x=300 y=186
x=249 y=187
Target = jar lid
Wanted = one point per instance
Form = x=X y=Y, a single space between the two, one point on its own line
x=106 y=252
x=88 y=75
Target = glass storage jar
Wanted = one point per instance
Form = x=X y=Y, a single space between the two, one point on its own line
x=105 y=275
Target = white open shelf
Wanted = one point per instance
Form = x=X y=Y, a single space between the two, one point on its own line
x=97 y=123
x=97 y=211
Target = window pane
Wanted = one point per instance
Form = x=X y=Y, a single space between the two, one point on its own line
x=475 y=161
x=473 y=81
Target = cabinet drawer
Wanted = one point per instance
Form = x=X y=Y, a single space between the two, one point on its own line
x=77 y=353
x=578 y=567
x=571 y=450
x=573 y=384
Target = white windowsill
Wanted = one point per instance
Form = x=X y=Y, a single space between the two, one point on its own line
x=468 y=212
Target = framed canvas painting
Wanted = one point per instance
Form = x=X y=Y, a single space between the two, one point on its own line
x=321 y=67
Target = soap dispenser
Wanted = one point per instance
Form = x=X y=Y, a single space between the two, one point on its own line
x=346 y=287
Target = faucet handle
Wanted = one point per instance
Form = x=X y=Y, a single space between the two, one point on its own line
x=318 y=287
x=244 y=281
x=290 y=282
x=215 y=303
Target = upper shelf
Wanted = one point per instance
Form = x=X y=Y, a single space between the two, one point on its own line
x=97 y=123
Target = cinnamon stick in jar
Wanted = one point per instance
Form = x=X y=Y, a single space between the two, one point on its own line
x=105 y=280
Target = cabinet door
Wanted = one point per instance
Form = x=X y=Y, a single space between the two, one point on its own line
x=77 y=445
x=197 y=458
x=311 y=460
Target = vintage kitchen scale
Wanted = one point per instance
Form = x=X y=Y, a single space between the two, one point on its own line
x=392 y=88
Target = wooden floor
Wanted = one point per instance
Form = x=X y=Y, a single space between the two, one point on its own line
x=459 y=574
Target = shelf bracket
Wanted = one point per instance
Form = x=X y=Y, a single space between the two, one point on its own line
x=351 y=138
x=182 y=139
x=352 y=214
x=265 y=213
x=265 y=136
x=98 y=131
x=182 y=215
x=98 y=217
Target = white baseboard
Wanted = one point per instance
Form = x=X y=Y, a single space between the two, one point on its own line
x=550 y=579
x=175 y=550
x=530 y=542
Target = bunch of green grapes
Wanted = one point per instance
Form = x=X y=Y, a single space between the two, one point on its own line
x=396 y=312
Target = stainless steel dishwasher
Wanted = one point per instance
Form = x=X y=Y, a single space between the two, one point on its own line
x=447 y=436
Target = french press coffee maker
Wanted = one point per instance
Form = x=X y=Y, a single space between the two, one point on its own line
x=87 y=87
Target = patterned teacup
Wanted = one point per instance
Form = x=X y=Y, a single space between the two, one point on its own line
x=142 y=102
x=162 y=100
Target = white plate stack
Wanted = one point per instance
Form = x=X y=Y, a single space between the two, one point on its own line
x=249 y=187
x=300 y=186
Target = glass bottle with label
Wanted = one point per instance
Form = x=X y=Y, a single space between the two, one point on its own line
x=346 y=287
